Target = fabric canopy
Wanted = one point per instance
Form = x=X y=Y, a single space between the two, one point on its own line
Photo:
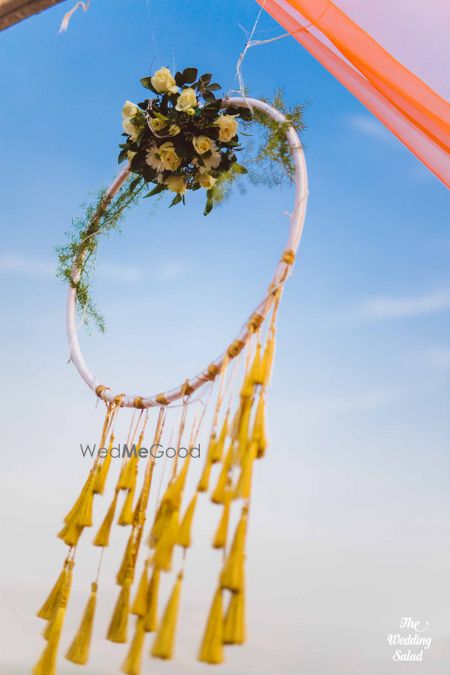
x=13 y=11
x=406 y=104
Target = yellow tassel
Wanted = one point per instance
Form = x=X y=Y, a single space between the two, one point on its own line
x=256 y=372
x=218 y=495
x=211 y=650
x=217 y=453
x=102 y=536
x=140 y=599
x=78 y=651
x=267 y=360
x=212 y=446
x=133 y=661
x=159 y=524
x=244 y=484
x=61 y=601
x=247 y=387
x=244 y=423
x=50 y=605
x=232 y=575
x=163 y=646
x=128 y=474
x=174 y=492
x=47 y=662
x=164 y=548
x=70 y=534
x=103 y=470
x=126 y=514
x=118 y=627
x=259 y=427
x=203 y=483
x=142 y=502
x=80 y=514
x=234 y=623
x=73 y=513
x=127 y=560
x=184 y=531
x=151 y=615
x=220 y=537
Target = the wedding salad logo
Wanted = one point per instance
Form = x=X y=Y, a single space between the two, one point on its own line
x=411 y=642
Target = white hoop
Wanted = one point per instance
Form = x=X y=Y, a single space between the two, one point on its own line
x=297 y=220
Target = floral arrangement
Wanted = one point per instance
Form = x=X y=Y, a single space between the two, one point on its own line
x=184 y=138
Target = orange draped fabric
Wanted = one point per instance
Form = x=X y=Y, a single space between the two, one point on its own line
x=415 y=113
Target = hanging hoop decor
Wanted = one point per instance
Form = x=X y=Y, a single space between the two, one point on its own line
x=237 y=382
x=158 y=127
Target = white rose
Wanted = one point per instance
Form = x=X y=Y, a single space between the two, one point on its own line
x=228 y=128
x=129 y=109
x=202 y=144
x=186 y=100
x=164 y=82
x=176 y=184
x=131 y=129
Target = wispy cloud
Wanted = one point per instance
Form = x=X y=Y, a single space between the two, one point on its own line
x=383 y=307
x=11 y=263
x=34 y=267
x=352 y=403
x=369 y=126
x=119 y=273
x=439 y=357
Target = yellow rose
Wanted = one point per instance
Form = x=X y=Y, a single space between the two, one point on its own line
x=156 y=124
x=129 y=109
x=206 y=181
x=186 y=100
x=164 y=82
x=227 y=128
x=169 y=157
x=174 y=130
x=202 y=144
x=176 y=184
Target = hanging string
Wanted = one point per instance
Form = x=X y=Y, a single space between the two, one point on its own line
x=66 y=18
x=251 y=43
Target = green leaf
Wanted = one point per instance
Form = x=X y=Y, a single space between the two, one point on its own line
x=138 y=161
x=213 y=87
x=176 y=200
x=208 y=207
x=156 y=190
x=147 y=83
x=238 y=168
x=179 y=79
x=122 y=155
x=190 y=75
x=209 y=96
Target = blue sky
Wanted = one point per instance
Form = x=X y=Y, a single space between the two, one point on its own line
x=356 y=485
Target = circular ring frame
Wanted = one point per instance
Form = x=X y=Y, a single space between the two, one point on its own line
x=297 y=219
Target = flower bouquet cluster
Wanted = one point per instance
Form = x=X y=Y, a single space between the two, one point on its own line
x=185 y=138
